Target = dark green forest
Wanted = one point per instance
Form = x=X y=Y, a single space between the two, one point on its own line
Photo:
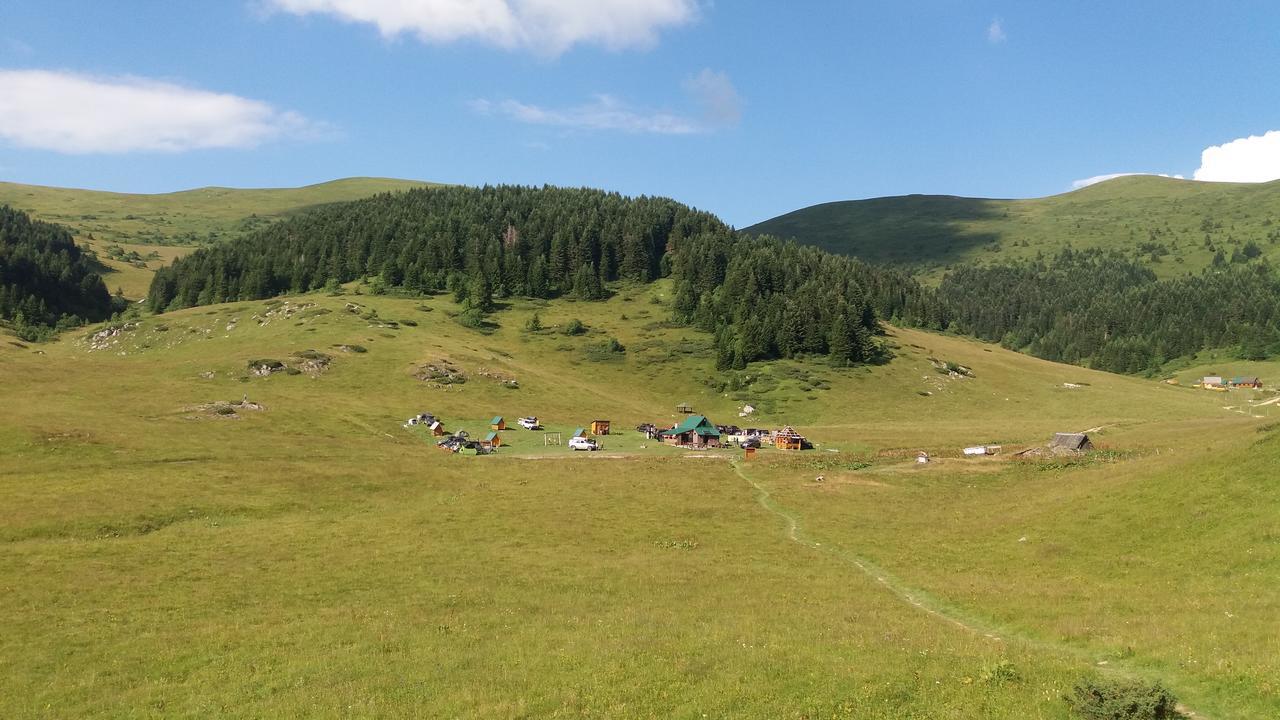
x=1110 y=312
x=763 y=298
x=45 y=280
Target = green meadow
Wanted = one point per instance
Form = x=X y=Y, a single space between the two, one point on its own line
x=168 y=557
x=1175 y=226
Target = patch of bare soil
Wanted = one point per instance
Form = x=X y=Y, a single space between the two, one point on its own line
x=222 y=410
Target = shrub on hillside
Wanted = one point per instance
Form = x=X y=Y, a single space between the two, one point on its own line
x=1101 y=699
x=575 y=327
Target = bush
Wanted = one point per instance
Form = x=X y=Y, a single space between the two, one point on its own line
x=1100 y=699
x=534 y=323
x=575 y=327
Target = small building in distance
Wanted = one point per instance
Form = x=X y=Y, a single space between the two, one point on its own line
x=579 y=432
x=493 y=439
x=693 y=431
x=437 y=428
x=599 y=427
x=788 y=439
x=1077 y=442
x=684 y=408
x=497 y=423
x=1246 y=382
x=1211 y=381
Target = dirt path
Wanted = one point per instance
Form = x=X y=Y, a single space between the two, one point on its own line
x=915 y=597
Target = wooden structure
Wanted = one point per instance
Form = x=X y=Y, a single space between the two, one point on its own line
x=1211 y=381
x=695 y=431
x=788 y=439
x=1077 y=442
x=750 y=453
x=551 y=438
x=437 y=428
x=497 y=423
x=599 y=427
x=493 y=439
x=1246 y=382
x=684 y=408
x=579 y=432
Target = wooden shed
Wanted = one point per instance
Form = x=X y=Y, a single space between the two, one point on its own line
x=493 y=439
x=437 y=428
x=684 y=408
x=497 y=423
x=695 y=431
x=599 y=427
x=788 y=439
x=580 y=432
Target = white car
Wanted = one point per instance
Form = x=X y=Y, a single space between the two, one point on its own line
x=582 y=443
x=529 y=423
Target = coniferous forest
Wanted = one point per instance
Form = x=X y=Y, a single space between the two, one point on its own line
x=763 y=298
x=45 y=280
x=1109 y=312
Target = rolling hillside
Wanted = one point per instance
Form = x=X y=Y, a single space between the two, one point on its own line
x=170 y=551
x=152 y=230
x=1164 y=221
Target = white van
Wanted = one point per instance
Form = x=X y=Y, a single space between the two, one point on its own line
x=582 y=443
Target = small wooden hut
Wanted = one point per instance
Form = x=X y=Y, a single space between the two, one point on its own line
x=599 y=427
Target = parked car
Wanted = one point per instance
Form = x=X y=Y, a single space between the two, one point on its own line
x=582 y=443
x=529 y=423
x=751 y=442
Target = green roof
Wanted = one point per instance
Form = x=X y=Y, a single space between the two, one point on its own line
x=579 y=432
x=694 y=423
x=491 y=437
x=497 y=419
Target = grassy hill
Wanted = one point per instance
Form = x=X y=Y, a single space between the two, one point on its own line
x=170 y=224
x=1162 y=220
x=166 y=558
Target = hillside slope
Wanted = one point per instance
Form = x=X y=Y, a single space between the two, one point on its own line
x=315 y=557
x=1162 y=220
x=135 y=234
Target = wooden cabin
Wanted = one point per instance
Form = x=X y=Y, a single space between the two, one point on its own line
x=788 y=439
x=695 y=431
x=580 y=432
x=684 y=408
x=1246 y=382
x=599 y=427
x=493 y=439
x=497 y=423
x=437 y=428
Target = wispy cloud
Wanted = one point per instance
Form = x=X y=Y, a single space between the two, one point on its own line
x=547 y=27
x=604 y=112
x=79 y=114
x=995 y=32
x=717 y=101
x=1250 y=159
x=15 y=46
x=1086 y=182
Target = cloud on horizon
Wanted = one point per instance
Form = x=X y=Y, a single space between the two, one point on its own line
x=545 y=27
x=80 y=114
x=1251 y=159
x=1086 y=182
x=713 y=92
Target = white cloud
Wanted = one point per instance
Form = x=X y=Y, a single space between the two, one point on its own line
x=547 y=27
x=721 y=104
x=604 y=112
x=78 y=114
x=1112 y=176
x=717 y=99
x=995 y=32
x=1252 y=159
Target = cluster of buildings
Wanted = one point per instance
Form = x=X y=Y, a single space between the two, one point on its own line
x=697 y=431
x=1217 y=382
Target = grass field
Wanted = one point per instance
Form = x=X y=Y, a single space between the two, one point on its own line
x=1176 y=226
x=173 y=224
x=315 y=558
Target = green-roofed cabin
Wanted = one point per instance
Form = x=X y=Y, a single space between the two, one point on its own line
x=493 y=439
x=580 y=432
x=497 y=424
x=695 y=431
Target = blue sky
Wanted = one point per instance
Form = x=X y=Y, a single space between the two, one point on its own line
x=747 y=109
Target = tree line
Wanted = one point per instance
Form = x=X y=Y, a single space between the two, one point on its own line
x=1109 y=312
x=762 y=297
x=46 y=281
